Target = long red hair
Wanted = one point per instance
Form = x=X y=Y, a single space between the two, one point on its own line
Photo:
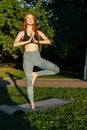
x=25 y=24
x=33 y=27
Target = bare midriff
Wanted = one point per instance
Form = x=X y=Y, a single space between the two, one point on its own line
x=31 y=47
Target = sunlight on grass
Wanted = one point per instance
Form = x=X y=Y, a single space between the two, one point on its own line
x=72 y=116
x=5 y=72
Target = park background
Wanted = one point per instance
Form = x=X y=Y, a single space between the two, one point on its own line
x=63 y=21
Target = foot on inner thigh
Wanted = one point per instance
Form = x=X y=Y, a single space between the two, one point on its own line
x=34 y=74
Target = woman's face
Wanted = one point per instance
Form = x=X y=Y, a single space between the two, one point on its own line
x=30 y=19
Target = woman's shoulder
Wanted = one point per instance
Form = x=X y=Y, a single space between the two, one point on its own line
x=39 y=32
x=21 y=33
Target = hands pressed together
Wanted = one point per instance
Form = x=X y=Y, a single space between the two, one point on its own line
x=32 y=38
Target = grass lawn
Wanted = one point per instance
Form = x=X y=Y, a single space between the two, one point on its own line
x=72 y=116
x=5 y=72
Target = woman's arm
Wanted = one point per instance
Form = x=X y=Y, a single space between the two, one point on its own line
x=44 y=39
x=18 y=40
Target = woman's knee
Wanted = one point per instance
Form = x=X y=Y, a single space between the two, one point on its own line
x=29 y=78
x=56 y=69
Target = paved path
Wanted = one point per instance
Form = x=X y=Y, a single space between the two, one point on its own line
x=42 y=82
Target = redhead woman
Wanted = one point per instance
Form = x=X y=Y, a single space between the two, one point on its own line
x=30 y=38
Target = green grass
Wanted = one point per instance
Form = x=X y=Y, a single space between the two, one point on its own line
x=72 y=116
x=6 y=72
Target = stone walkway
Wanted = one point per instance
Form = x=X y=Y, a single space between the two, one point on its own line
x=43 y=82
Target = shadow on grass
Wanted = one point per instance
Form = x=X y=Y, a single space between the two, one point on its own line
x=4 y=94
x=17 y=87
x=19 y=121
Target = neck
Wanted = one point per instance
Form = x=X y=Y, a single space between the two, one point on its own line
x=29 y=28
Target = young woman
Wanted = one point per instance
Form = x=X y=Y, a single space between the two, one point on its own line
x=30 y=37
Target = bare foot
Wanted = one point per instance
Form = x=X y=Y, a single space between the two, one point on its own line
x=34 y=74
x=32 y=105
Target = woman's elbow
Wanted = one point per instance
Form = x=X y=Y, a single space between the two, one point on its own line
x=14 y=44
x=49 y=42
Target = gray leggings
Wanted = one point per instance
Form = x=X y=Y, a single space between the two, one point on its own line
x=31 y=59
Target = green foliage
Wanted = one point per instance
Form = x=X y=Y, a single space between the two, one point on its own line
x=11 y=19
x=69 y=21
x=64 y=22
x=72 y=116
x=10 y=23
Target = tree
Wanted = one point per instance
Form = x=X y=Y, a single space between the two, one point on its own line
x=11 y=19
x=69 y=22
x=10 y=23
